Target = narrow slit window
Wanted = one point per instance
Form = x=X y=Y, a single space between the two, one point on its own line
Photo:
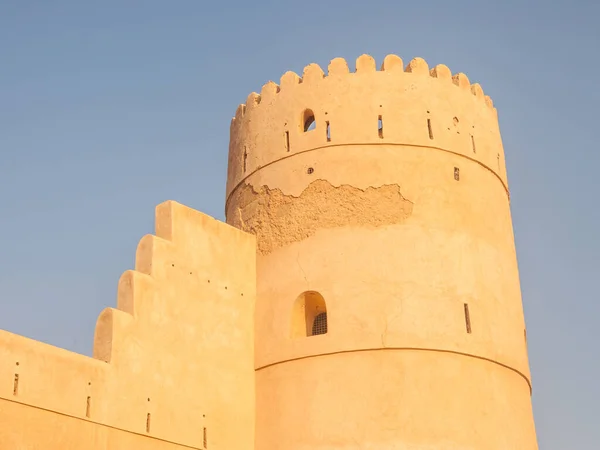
x=456 y=173
x=473 y=144
x=287 y=141
x=16 y=384
x=88 y=405
x=467 y=318
x=148 y=423
x=204 y=438
x=429 y=129
x=380 y=126
x=245 y=158
x=328 y=132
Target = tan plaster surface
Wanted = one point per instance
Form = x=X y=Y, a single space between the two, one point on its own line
x=393 y=399
x=179 y=347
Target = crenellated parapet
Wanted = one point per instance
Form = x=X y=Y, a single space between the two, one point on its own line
x=410 y=105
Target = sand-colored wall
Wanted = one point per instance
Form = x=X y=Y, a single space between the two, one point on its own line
x=462 y=119
x=381 y=227
x=173 y=364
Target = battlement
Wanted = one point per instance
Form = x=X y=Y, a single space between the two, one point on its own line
x=397 y=105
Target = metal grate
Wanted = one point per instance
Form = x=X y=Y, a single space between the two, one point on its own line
x=320 y=324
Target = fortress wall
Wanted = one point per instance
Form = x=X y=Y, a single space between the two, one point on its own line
x=398 y=215
x=418 y=107
x=32 y=428
x=393 y=399
x=395 y=264
x=173 y=363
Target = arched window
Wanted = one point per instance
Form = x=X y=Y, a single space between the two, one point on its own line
x=308 y=120
x=309 y=315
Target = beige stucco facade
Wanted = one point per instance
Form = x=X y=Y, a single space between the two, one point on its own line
x=173 y=365
x=368 y=299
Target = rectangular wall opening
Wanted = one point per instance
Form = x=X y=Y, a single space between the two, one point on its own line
x=467 y=318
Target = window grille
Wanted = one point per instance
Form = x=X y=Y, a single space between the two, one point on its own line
x=320 y=324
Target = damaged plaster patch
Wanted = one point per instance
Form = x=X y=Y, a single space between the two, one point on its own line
x=278 y=219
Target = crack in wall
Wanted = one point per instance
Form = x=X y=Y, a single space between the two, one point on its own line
x=302 y=270
x=278 y=220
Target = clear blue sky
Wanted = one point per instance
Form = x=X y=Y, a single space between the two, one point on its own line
x=108 y=108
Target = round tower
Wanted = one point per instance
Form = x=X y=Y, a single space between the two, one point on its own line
x=388 y=311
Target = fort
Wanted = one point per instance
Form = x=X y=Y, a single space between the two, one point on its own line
x=363 y=294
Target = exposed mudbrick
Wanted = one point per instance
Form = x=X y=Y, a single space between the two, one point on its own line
x=278 y=219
